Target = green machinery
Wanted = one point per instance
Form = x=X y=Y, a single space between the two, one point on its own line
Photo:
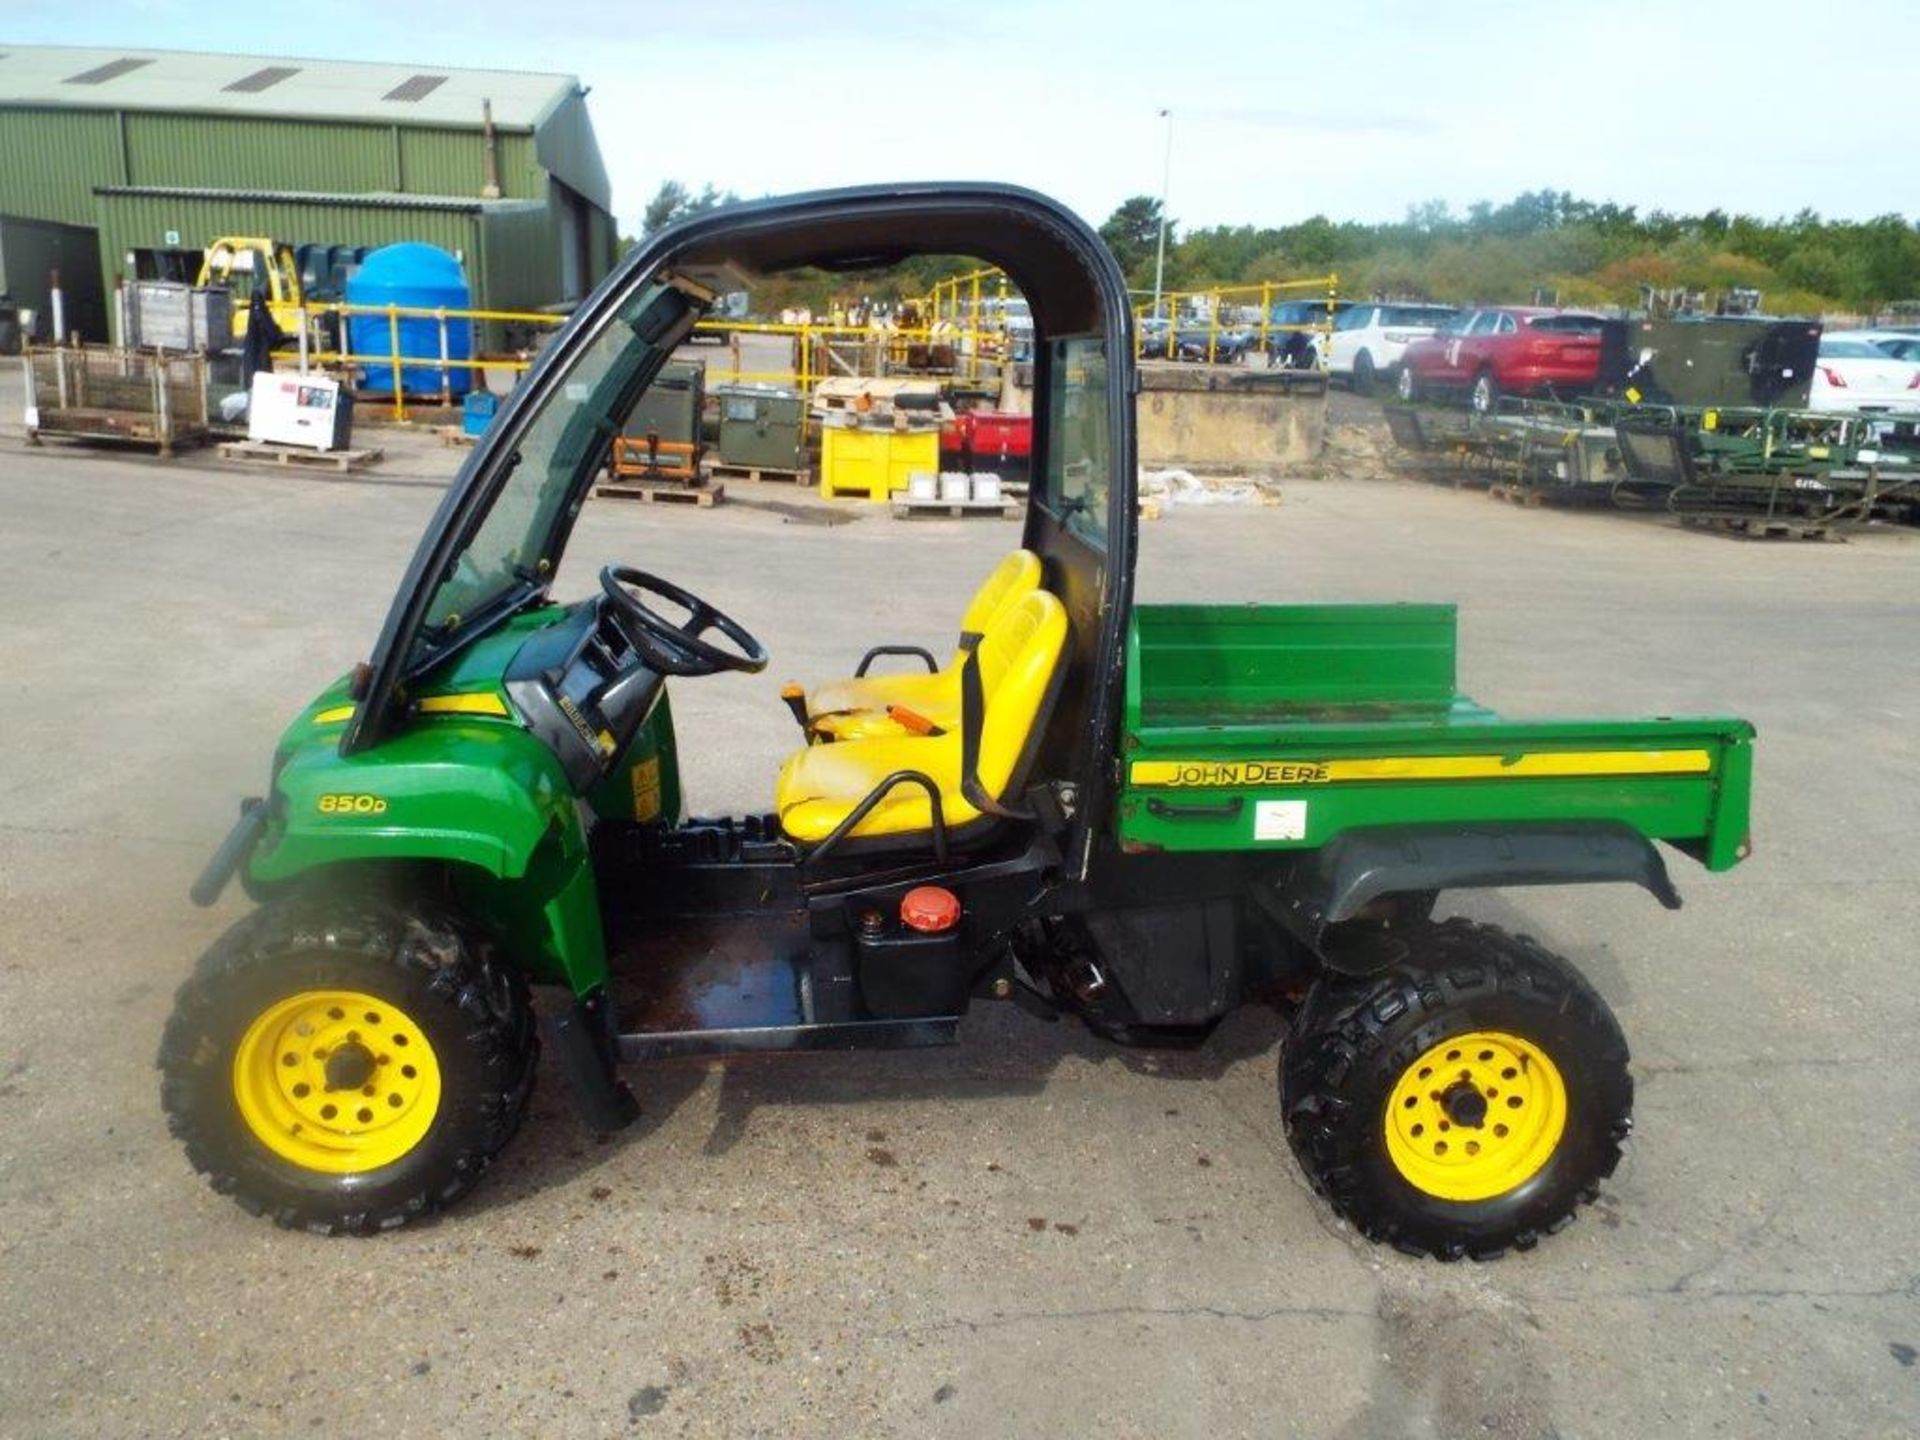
x=762 y=427
x=662 y=437
x=1139 y=817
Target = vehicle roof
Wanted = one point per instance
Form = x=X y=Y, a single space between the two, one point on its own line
x=1063 y=296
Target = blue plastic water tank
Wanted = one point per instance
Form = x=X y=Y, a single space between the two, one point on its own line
x=411 y=276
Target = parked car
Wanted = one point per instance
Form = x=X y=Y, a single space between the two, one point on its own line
x=1299 y=349
x=1370 y=337
x=1226 y=344
x=1193 y=340
x=1901 y=344
x=1505 y=350
x=1858 y=376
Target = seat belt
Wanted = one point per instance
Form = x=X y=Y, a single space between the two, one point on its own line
x=973 y=711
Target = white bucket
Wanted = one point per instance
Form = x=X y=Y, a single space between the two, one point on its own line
x=921 y=485
x=955 y=485
x=986 y=485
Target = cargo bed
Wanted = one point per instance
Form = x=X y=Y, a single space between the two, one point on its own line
x=1281 y=726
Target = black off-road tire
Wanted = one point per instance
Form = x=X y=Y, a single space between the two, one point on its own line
x=1354 y=1037
x=473 y=1010
x=1364 y=373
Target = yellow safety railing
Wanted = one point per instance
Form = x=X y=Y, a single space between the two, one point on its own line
x=393 y=362
x=1212 y=302
x=989 y=284
x=967 y=351
x=963 y=332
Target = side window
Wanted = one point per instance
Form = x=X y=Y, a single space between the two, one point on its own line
x=1079 y=464
x=1505 y=326
x=1356 y=317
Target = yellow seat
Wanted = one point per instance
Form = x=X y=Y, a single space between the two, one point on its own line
x=856 y=708
x=820 y=785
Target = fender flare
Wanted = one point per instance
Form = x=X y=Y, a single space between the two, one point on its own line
x=1357 y=867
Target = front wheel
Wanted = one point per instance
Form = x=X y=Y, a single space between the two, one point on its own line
x=347 y=1069
x=1485 y=395
x=1406 y=386
x=1466 y=1100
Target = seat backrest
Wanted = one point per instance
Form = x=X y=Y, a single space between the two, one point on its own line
x=1014 y=577
x=1018 y=656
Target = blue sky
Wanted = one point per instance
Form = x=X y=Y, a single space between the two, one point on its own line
x=1280 y=111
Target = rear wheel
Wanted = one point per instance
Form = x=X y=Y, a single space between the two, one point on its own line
x=347 y=1069
x=1465 y=1100
x=1364 y=374
x=1485 y=395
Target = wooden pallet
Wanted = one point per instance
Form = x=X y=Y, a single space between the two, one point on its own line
x=759 y=472
x=254 y=452
x=905 y=507
x=705 y=496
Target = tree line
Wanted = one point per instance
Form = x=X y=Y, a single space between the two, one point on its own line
x=1585 y=252
x=1589 y=253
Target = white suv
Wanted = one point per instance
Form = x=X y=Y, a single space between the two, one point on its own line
x=1370 y=336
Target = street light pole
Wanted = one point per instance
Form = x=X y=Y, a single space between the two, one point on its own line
x=1166 y=179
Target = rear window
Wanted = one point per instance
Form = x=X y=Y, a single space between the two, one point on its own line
x=1307 y=312
x=1567 y=324
x=1834 y=348
x=1416 y=315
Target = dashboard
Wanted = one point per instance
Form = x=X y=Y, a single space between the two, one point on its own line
x=584 y=691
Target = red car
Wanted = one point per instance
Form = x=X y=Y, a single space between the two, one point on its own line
x=1508 y=350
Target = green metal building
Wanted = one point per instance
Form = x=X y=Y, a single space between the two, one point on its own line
x=143 y=157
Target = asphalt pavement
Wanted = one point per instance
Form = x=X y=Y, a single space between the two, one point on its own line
x=1030 y=1234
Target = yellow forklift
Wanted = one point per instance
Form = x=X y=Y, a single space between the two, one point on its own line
x=244 y=264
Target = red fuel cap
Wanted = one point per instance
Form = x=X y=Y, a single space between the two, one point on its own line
x=930 y=909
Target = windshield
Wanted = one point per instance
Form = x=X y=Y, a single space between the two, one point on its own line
x=565 y=441
x=1416 y=315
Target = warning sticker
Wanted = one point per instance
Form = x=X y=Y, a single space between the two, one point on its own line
x=1280 y=820
x=646 y=789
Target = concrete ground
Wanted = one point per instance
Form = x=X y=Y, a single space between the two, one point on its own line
x=1030 y=1234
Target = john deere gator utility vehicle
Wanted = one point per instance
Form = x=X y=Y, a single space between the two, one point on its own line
x=1139 y=816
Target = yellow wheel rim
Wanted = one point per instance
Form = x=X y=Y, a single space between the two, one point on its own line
x=336 y=1081
x=1476 y=1116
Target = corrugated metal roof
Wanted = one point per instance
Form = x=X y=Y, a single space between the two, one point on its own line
x=126 y=79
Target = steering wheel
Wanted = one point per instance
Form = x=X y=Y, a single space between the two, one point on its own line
x=677 y=649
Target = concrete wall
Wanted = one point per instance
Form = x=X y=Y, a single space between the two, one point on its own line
x=1222 y=420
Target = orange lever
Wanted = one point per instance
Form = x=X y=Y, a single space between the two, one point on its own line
x=912 y=721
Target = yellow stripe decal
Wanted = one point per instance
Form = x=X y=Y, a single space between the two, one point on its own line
x=1533 y=766
x=334 y=715
x=483 y=702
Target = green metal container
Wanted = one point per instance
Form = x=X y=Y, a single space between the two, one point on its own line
x=670 y=407
x=761 y=427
